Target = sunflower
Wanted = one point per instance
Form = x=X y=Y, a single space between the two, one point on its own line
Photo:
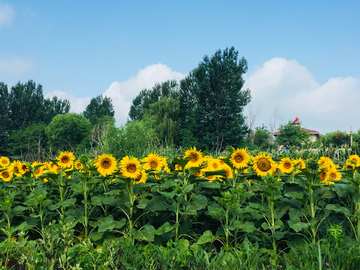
x=24 y=168
x=355 y=159
x=141 y=178
x=228 y=170
x=166 y=166
x=264 y=164
x=335 y=175
x=15 y=167
x=66 y=159
x=4 y=162
x=130 y=167
x=324 y=176
x=105 y=164
x=196 y=158
x=152 y=162
x=6 y=175
x=286 y=165
x=38 y=168
x=214 y=165
x=326 y=163
x=78 y=165
x=240 y=158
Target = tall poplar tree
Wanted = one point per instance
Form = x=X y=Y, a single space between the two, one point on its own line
x=212 y=102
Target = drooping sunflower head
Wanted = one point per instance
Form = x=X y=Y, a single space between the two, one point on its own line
x=37 y=169
x=286 y=165
x=326 y=163
x=240 y=158
x=24 y=168
x=78 y=165
x=355 y=159
x=264 y=165
x=349 y=165
x=4 y=162
x=15 y=167
x=152 y=162
x=6 y=175
x=324 y=176
x=141 y=178
x=196 y=158
x=66 y=159
x=227 y=170
x=130 y=167
x=105 y=164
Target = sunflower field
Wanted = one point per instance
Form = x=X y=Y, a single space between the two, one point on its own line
x=237 y=211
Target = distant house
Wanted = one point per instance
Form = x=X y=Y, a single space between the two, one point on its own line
x=314 y=135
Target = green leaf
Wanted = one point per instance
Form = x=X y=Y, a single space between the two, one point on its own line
x=142 y=203
x=247 y=227
x=190 y=210
x=188 y=188
x=19 y=209
x=298 y=226
x=147 y=233
x=66 y=203
x=108 y=223
x=165 y=228
x=183 y=245
x=96 y=200
x=199 y=202
x=339 y=209
x=207 y=237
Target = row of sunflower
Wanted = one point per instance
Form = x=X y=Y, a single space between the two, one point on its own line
x=240 y=161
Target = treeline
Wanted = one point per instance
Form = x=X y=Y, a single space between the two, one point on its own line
x=35 y=128
x=204 y=110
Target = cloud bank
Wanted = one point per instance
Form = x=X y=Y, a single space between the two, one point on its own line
x=6 y=14
x=286 y=86
x=122 y=93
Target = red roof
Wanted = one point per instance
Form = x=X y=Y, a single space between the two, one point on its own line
x=308 y=130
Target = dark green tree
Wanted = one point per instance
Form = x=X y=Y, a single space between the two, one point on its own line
x=53 y=107
x=214 y=101
x=4 y=116
x=98 y=108
x=68 y=131
x=30 y=142
x=149 y=96
x=292 y=135
x=336 y=138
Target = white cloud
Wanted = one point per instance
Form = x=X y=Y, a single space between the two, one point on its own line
x=15 y=66
x=291 y=88
x=6 y=14
x=122 y=93
x=78 y=105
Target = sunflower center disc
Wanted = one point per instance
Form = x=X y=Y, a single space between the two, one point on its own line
x=264 y=165
x=153 y=164
x=238 y=159
x=287 y=166
x=106 y=164
x=131 y=168
x=6 y=174
x=65 y=160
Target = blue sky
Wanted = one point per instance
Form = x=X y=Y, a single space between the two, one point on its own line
x=303 y=55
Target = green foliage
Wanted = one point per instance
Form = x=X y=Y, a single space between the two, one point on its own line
x=211 y=101
x=336 y=139
x=29 y=142
x=292 y=135
x=136 y=138
x=67 y=131
x=147 y=97
x=98 y=108
x=24 y=106
x=262 y=138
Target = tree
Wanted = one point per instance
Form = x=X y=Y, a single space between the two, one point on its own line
x=292 y=135
x=68 y=131
x=147 y=97
x=337 y=139
x=262 y=138
x=165 y=113
x=211 y=112
x=4 y=116
x=98 y=108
